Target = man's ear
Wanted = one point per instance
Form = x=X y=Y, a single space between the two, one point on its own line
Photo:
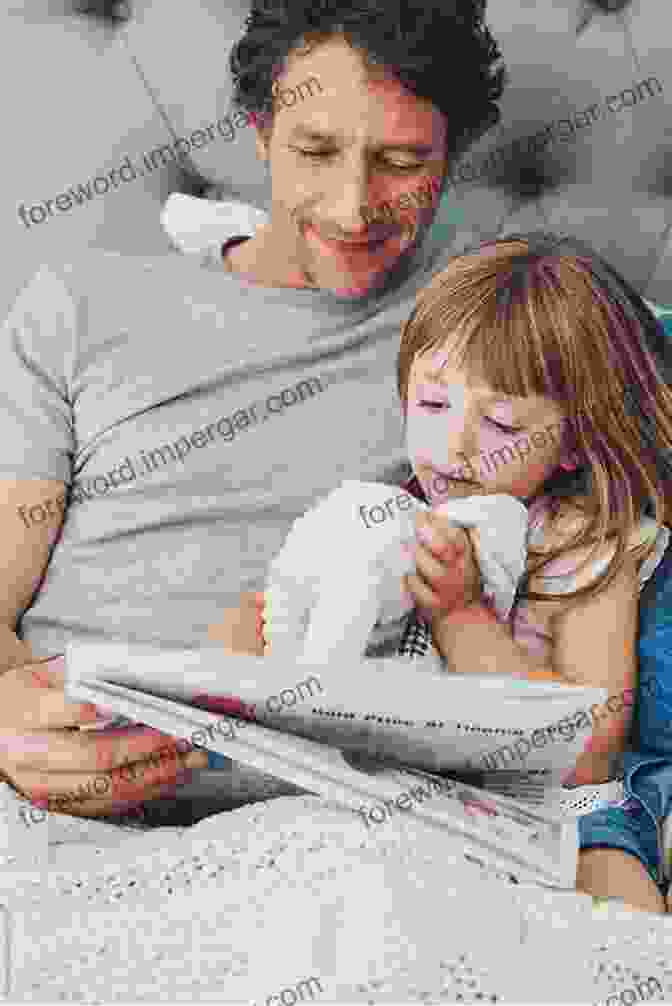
x=262 y=141
x=262 y=123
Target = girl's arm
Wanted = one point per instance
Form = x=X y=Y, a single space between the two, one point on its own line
x=472 y=639
x=594 y=643
x=240 y=628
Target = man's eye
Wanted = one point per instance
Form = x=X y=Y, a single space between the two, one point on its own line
x=390 y=165
x=504 y=429
x=402 y=167
x=312 y=153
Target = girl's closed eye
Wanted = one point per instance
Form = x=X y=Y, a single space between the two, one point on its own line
x=434 y=397
x=511 y=430
x=437 y=400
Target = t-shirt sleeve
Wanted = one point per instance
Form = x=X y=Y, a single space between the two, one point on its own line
x=37 y=342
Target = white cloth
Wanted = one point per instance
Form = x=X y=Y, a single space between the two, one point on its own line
x=339 y=572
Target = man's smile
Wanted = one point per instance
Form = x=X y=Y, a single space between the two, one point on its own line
x=344 y=247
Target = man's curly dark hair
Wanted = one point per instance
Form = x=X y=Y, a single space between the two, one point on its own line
x=441 y=50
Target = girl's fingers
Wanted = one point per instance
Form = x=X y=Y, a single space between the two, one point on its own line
x=432 y=569
x=239 y=629
x=423 y=594
x=591 y=769
x=439 y=534
x=447 y=582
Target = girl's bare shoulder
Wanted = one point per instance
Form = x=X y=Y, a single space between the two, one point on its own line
x=562 y=524
x=566 y=532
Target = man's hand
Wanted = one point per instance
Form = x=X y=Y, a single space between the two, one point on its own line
x=83 y=773
x=447 y=575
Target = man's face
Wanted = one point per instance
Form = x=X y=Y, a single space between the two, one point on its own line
x=338 y=150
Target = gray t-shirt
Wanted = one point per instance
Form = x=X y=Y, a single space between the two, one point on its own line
x=194 y=416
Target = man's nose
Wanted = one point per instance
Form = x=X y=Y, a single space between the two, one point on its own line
x=349 y=201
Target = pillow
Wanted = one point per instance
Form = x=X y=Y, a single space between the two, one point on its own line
x=197 y=225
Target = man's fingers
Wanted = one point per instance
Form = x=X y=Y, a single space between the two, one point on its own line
x=52 y=708
x=110 y=807
x=79 y=792
x=117 y=747
x=61 y=750
x=53 y=711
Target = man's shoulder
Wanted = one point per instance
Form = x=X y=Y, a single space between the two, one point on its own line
x=101 y=275
x=94 y=263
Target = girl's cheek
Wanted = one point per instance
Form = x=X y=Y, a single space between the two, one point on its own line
x=440 y=358
x=431 y=437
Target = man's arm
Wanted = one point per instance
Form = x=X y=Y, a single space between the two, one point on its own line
x=27 y=540
x=40 y=754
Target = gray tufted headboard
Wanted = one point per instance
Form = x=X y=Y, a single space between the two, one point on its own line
x=584 y=143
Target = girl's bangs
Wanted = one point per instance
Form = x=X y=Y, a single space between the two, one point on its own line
x=515 y=351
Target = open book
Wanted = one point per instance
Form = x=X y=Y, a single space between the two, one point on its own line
x=376 y=736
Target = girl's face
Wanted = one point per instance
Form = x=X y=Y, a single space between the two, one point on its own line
x=464 y=439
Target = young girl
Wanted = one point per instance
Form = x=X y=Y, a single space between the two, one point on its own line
x=530 y=367
x=510 y=344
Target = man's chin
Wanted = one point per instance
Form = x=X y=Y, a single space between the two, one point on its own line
x=351 y=287
x=356 y=281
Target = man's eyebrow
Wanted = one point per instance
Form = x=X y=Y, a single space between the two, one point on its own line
x=306 y=133
x=417 y=149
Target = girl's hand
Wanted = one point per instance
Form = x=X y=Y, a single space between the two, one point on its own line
x=447 y=574
x=240 y=629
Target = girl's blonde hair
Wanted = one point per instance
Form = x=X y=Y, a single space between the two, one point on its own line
x=539 y=314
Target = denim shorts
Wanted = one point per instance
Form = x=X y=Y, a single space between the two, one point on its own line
x=635 y=823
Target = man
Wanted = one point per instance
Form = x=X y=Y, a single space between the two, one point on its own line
x=199 y=408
